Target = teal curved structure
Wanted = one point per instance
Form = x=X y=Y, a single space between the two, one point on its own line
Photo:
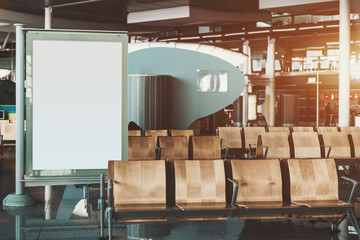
x=185 y=67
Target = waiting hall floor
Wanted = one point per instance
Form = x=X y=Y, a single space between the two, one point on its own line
x=65 y=217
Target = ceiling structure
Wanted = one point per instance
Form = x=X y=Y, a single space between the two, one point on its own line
x=177 y=20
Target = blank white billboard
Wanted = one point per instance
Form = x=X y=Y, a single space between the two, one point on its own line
x=77 y=104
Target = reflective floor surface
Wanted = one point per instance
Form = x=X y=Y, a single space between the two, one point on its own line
x=65 y=217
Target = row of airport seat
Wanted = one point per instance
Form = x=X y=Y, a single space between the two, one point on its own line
x=241 y=137
x=325 y=142
x=268 y=145
x=174 y=147
x=196 y=190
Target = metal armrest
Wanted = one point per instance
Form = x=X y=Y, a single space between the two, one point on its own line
x=158 y=153
x=355 y=184
x=111 y=193
x=226 y=151
x=101 y=204
x=235 y=191
x=221 y=141
x=1 y=139
x=329 y=147
x=266 y=150
x=110 y=208
x=250 y=151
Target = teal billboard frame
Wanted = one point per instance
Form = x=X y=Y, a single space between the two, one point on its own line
x=38 y=177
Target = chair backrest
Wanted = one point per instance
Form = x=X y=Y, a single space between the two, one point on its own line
x=174 y=147
x=134 y=132
x=141 y=148
x=349 y=130
x=279 y=129
x=251 y=134
x=259 y=180
x=138 y=182
x=303 y=129
x=321 y=130
x=277 y=144
x=231 y=136
x=356 y=141
x=311 y=179
x=182 y=132
x=156 y=133
x=306 y=145
x=339 y=142
x=199 y=181
x=206 y=147
x=8 y=130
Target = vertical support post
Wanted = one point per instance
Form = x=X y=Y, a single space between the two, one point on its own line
x=344 y=63
x=317 y=98
x=20 y=108
x=102 y=204
x=110 y=206
x=19 y=223
x=48 y=188
x=19 y=199
x=48 y=17
x=48 y=209
x=270 y=71
x=246 y=71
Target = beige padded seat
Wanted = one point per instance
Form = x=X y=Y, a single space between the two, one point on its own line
x=306 y=145
x=230 y=136
x=134 y=132
x=356 y=140
x=200 y=184
x=349 y=130
x=206 y=147
x=277 y=144
x=313 y=182
x=156 y=133
x=251 y=134
x=134 y=192
x=303 y=129
x=279 y=129
x=174 y=147
x=321 y=130
x=141 y=148
x=339 y=142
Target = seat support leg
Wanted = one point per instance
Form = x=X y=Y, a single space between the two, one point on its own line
x=353 y=220
x=101 y=205
x=110 y=216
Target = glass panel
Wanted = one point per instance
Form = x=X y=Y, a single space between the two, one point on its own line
x=212 y=81
x=314 y=53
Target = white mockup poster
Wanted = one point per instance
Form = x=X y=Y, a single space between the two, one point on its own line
x=77 y=107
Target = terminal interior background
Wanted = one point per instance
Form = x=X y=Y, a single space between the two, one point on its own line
x=306 y=35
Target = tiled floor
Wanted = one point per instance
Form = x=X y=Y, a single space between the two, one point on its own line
x=62 y=219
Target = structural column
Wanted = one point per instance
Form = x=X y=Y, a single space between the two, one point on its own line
x=344 y=64
x=48 y=17
x=246 y=71
x=270 y=89
x=48 y=188
x=19 y=199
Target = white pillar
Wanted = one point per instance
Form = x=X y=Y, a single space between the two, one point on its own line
x=20 y=108
x=246 y=70
x=48 y=17
x=270 y=89
x=344 y=63
x=48 y=188
x=47 y=205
